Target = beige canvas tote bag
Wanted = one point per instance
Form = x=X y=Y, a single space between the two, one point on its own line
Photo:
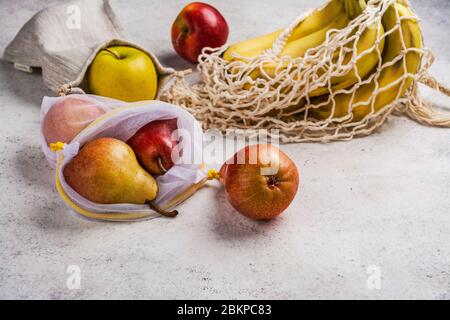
x=64 y=39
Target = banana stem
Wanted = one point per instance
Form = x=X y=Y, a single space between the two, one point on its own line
x=169 y=214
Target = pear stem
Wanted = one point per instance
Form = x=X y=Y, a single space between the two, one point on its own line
x=168 y=214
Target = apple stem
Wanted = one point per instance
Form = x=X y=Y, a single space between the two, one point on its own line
x=114 y=54
x=168 y=214
x=161 y=166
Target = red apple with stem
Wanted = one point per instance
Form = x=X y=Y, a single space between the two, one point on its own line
x=153 y=145
x=198 y=25
x=260 y=181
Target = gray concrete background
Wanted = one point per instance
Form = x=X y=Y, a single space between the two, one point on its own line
x=383 y=200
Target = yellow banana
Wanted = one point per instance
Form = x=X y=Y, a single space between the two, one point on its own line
x=298 y=48
x=354 y=7
x=393 y=80
x=367 y=53
x=250 y=48
x=404 y=3
x=316 y=21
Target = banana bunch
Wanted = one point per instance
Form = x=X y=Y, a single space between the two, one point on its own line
x=312 y=32
x=309 y=33
x=400 y=60
x=380 y=44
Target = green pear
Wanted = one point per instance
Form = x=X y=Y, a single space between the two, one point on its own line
x=106 y=171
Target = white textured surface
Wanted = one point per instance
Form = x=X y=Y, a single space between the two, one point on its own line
x=382 y=200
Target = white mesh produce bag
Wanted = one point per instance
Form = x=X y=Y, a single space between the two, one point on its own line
x=48 y=102
x=122 y=123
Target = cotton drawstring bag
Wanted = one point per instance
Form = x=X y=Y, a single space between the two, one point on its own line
x=63 y=41
x=122 y=123
x=298 y=99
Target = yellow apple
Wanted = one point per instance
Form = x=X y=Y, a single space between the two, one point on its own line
x=123 y=73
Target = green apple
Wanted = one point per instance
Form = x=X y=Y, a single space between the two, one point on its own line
x=123 y=73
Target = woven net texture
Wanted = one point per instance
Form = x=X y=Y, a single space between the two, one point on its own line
x=324 y=95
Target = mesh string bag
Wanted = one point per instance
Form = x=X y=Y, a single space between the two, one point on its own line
x=300 y=97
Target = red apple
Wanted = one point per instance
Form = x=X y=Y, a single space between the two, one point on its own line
x=153 y=145
x=198 y=25
x=260 y=181
x=68 y=117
